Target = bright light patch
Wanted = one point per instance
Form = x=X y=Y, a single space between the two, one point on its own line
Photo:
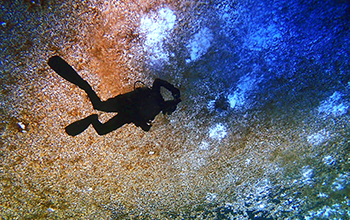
x=333 y=105
x=211 y=197
x=318 y=138
x=341 y=181
x=211 y=105
x=322 y=195
x=239 y=97
x=329 y=160
x=204 y=146
x=307 y=175
x=156 y=28
x=199 y=44
x=325 y=212
x=218 y=131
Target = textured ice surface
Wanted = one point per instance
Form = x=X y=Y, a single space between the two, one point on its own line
x=341 y=181
x=326 y=212
x=218 y=131
x=230 y=17
x=156 y=27
x=322 y=195
x=318 y=137
x=334 y=105
x=204 y=145
x=239 y=97
x=329 y=160
x=181 y=165
x=262 y=188
x=263 y=38
x=199 y=44
x=211 y=105
x=211 y=197
x=307 y=175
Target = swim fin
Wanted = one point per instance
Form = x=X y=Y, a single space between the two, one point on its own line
x=62 y=68
x=79 y=126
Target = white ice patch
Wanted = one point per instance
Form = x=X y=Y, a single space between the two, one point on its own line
x=318 y=138
x=195 y=159
x=262 y=188
x=260 y=193
x=263 y=38
x=204 y=145
x=211 y=105
x=156 y=28
x=218 y=131
x=211 y=197
x=329 y=160
x=325 y=212
x=341 y=181
x=199 y=44
x=322 y=195
x=22 y=126
x=307 y=175
x=334 y=105
x=239 y=97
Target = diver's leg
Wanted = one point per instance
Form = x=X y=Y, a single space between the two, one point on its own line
x=62 y=68
x=111 y=125
x=102 y=129
x=115 y=104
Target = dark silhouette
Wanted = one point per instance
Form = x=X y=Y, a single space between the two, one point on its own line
x=139 y=106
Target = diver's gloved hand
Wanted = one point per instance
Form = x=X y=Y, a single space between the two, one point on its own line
x=170 y=106
x=176 y=93
x=146 y=126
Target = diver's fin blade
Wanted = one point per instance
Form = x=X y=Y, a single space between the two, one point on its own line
x=62 y=68
x=79 y=126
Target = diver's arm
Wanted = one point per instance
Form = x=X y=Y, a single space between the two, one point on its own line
x=159 y=82
x=144 y=125
x=170 y=106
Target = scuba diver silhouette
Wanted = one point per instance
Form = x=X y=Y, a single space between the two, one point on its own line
x=139 y=106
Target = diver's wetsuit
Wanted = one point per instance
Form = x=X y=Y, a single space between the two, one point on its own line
x=139 y=106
